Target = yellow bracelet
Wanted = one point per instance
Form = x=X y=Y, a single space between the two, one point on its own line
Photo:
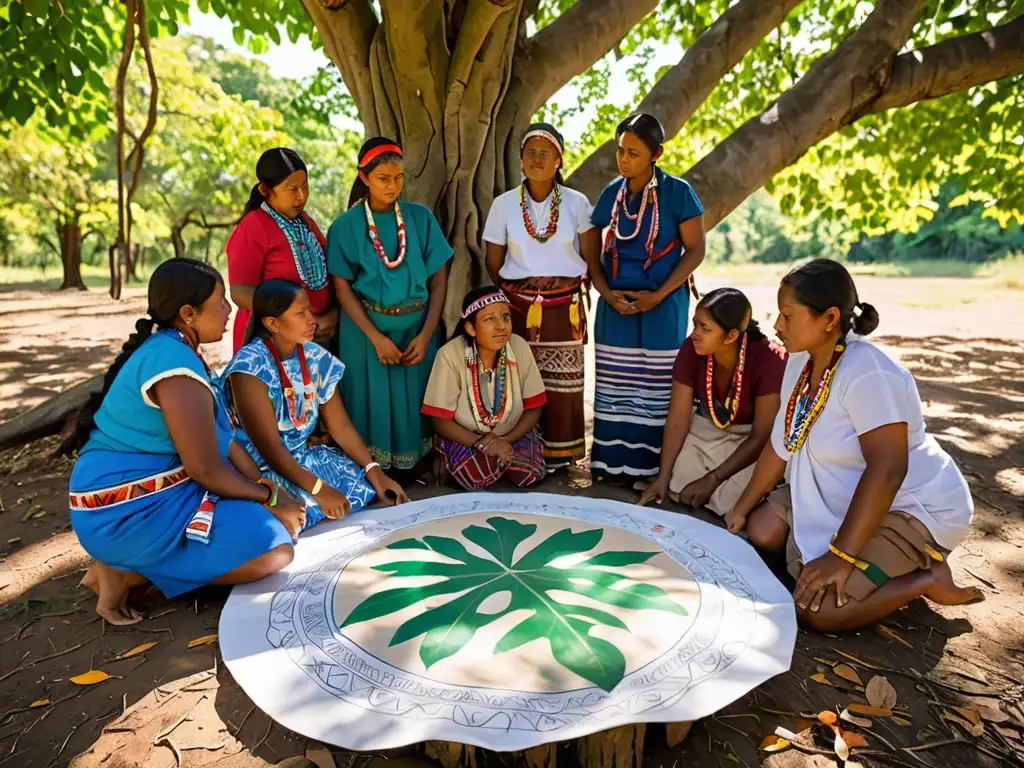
x=843 y=556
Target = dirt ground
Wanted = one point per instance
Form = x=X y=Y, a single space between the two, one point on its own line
x=174 y=705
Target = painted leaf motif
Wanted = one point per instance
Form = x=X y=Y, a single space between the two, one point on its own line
x=530 y=583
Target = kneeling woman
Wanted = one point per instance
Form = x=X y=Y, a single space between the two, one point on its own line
x=485 y=396
x=281 y=384
x=874 y=504
x=161 y=491
x=733 y=374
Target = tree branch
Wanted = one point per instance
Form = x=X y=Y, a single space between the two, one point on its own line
x=837 y=90
x=571 y=44
x=476 y=25
x=678 y=94
x=954 y=65
x=347 y=32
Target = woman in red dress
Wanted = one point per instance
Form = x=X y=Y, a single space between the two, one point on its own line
x=275 y=239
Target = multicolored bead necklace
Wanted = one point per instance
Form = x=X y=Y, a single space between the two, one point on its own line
x=549 y=230
x=732 y=397
x=375 y=236
x=488 y=415
x=801 y=412
x=298 y=414
x=611 y=242
x=310 y=262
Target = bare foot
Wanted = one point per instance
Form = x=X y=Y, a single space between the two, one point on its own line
x=945 y=591
x=113 y=587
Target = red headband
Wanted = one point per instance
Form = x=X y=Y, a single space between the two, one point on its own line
x=377 y=152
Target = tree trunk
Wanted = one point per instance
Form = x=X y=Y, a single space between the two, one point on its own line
x=69 y=232
x=114 y=259
x=178 y=241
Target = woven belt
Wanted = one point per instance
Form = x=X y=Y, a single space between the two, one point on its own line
x=402 y=309
x=119 y=494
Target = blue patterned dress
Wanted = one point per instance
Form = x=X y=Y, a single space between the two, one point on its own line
x=328 y=463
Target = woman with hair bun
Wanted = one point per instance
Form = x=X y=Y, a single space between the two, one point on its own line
x=874 y=505
x=725 y=394
x=277 y=239
x=654 y=242
x=161 y=491
x=387 y=258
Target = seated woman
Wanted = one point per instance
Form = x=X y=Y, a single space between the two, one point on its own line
x=281 y=384
x=732 y=373
x=161 y=491
x=874 y=504
x=485 y=396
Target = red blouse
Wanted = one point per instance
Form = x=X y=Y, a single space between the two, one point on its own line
x=766 y=362
x=258 y=251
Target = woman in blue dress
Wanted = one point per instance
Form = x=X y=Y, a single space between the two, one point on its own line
x=281 y=384
x=654 y=242
x=161 y=491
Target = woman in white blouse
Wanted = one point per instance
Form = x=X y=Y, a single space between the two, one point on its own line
x=537 y=236
x=874 y=504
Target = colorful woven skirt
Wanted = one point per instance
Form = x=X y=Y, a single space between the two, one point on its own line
x=476 y=471
x=549 y=313
x=634 y=359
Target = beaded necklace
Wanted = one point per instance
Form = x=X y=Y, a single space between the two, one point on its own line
x=310 y=262
x=375 y=236
x=732 y=397
x=488 y=415
x=297 y=413
x=549 y=230
x=802 y=411
x=611 y=242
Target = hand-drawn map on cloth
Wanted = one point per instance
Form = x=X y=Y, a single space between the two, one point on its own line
x=506 y=621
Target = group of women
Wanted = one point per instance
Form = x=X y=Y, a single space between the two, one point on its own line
x=340 y=390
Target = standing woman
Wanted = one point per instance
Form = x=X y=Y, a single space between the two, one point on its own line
x=536 y=235
x=733 y=374
x=388 y=258
x=161 y=491
x=655 y=241
x=874 y=505
x=276 y=239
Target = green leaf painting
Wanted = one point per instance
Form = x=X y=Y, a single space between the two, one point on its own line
x=448 y=628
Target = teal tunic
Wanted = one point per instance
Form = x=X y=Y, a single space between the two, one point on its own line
x=384 y=400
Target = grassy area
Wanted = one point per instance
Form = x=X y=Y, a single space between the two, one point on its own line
x=32 y=279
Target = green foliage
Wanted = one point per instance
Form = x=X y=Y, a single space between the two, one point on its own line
x=528 y=580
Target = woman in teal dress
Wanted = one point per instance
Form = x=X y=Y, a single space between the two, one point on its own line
x=282 y=386
x=161 y=490
x=388 y=263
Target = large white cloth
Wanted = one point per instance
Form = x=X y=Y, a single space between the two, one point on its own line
x=559 y=256
x=869 y=390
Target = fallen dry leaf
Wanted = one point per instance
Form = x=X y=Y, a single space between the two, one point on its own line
x=827 y=718
x=854 y=740
x=858 y=661
x=867 y=709
x=880 y=693
x=321 y=757
x=969 y=714
x=40 y=703
x=204 y=640
x=992 y=714
x=136 y=651
x=847 y=673
x=863 y=722
x=773 y=743
x=819 y=677
x=15 y=540
x=886 y=631
x=840 y=746
x=903 y=721
x=92 y=677
x=1008 y=733
x=975 y=729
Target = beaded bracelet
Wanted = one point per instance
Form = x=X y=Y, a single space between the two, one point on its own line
x=273 y=487
x=872 y=571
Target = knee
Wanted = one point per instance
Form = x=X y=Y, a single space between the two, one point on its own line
x=765 y=531
x=273 y=561
x=822 y=620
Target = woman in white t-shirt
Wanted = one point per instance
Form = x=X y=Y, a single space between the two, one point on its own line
x=537 y=237
x=874 y=504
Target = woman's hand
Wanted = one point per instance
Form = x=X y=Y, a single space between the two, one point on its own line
x=387 y=352
x=416 y=351
x=387 y=489
x=699 y=492
x=817 y=576
x=333 y=503
x=500 y=449
x=290 y=512
x=656 y=491
x=644 y=301
x=326 y=325
x=736 y=520
x=617 y=300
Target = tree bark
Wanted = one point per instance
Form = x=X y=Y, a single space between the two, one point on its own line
x=48 y=418
x=69 y=233
x=681 y=90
